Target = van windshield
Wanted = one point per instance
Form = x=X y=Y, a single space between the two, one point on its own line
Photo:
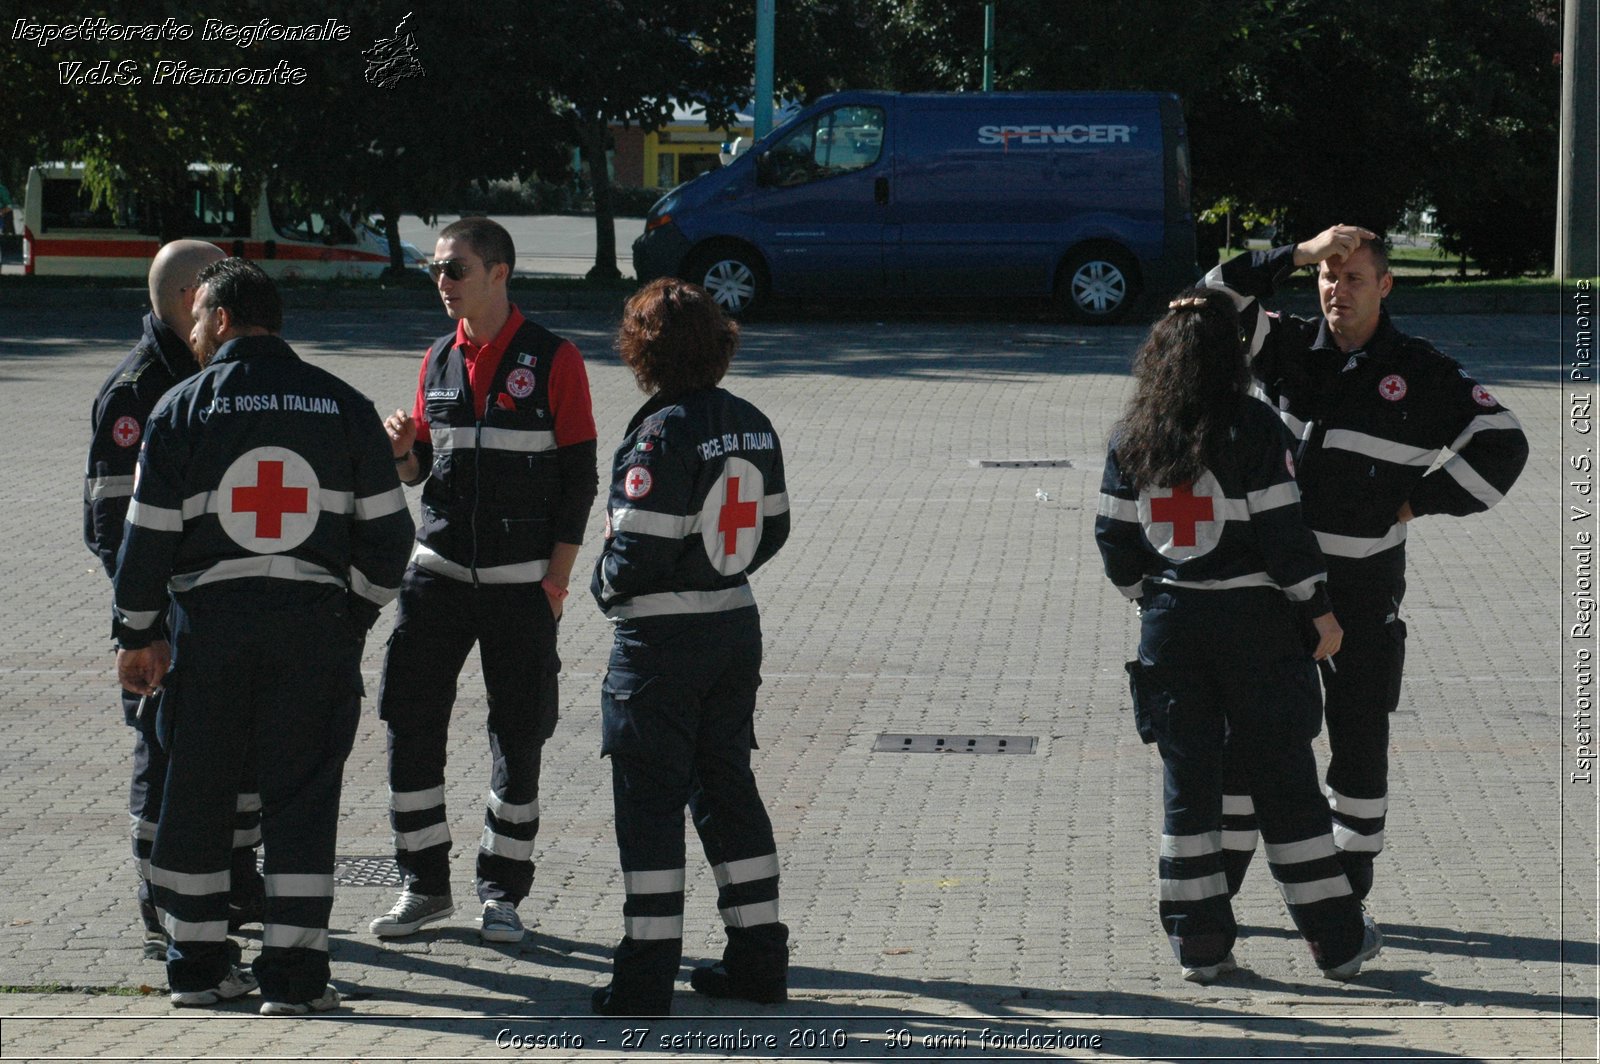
x=839 y=141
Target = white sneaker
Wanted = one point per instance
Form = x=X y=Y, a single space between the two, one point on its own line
x=1208 y=973
x=501 y=922
x=410 y=912
x=1371 y=944
x=236 y=984
x=326 y=1003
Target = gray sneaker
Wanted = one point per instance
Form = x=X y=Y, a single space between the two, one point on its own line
x=410 y=912
x=501 y=922
x=236 y=984
x=1208 y=973
x=1371 y=944
x=326 y=1003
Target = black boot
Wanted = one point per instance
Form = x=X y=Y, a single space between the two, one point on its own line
x=714 y=981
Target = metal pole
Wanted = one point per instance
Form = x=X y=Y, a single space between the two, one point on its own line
x=765 y=18
x=988 y=46
x=1576 y=193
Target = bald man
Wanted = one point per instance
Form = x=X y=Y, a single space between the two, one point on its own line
x=159 y=360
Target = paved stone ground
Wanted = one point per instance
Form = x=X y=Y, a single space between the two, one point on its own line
x=932 y=897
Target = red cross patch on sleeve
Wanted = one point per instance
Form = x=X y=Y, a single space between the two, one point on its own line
x=126 y=431
x=636 y=482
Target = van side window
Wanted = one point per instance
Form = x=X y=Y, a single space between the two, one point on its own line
x=843 y=140
x=312 y=227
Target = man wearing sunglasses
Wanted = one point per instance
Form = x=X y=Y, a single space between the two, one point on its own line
x=502 y=437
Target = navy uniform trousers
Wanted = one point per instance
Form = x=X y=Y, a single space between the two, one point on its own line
x=144 y=813
x=438 y=621
x=1231 y=667
x=251 y=673
x=677 y=711
x=1360 y=693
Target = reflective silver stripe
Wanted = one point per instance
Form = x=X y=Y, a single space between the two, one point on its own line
x=753 y=915
x=336 y=502
x=247 y=803
x=1365 y=808
x=657 y=881
x=1300 y=430
x=1469 y=478
x=95 y=488
x=416 y=801
x=1316 y=890
x=143 y=864
x=1194 y=889
x=249 y=837
x=184 y=931
x=518 y=573
x=772 y=505
x=374 y=593
x=670 y=602
x=372 y=507
x=194 y=884
x=1213 y=279
x=1285 y=494
x=422 y=838
x=1240 y=840
x=287 y=936
x=1303 y=591
x=631 y=519
x=1360 y=546
x=1505 y=419
x=158 y=518
x=526 y=813
x=299 y=885
x=1378 y=447
x=1247 y=580
x=526 y=441
x=1118 y=508
x=1301 y=851
x=195 y=505
x=141 y=829
x=503 y=846
x=1191 y=845
x=1238 y=805
x=1258 y=392
x=1355 y=842
x=747 y=870
x=1132 y=591
x=138 y=620
x=276 y=566
x=1224 y=508
x=652 y=928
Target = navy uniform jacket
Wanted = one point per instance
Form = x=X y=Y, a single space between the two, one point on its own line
x=1371 y=423
x=263 y=480
x=1235 y=526
x=158 y=361
x=697 y=502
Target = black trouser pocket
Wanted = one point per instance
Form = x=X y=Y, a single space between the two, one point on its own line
x=1149 y=699
x=1394 y=652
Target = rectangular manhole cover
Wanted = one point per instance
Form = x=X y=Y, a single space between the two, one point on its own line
x=366 y=872
x=890 y=743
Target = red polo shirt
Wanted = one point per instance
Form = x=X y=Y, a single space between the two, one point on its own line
x=569 y=383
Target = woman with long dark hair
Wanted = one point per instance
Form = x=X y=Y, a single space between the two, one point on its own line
x=1200 y=524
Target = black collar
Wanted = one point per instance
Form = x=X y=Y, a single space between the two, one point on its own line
x=246 y=347
x=170 y=348
x=1377 y=346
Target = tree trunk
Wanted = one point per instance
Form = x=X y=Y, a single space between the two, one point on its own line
x=592 y=137
x=391 y=233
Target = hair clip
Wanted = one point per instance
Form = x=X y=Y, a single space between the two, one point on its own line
x=1186 y=303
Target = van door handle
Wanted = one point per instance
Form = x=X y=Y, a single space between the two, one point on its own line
x=880 y=190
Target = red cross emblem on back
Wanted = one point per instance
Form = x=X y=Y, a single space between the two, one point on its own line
x=269 y=500
x=735 y=515
x=1183 y=510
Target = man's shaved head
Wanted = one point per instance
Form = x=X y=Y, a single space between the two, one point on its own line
x=172 y=274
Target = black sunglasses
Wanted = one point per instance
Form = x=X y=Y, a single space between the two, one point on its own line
x=454 y=269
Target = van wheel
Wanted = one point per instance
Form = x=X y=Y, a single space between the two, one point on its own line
x=1096 y=286
x=736 y=279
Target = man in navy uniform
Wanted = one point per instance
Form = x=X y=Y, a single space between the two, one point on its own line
x=698 y=502
x=267 y=505
x=501 y=435
x=1372 y=409
x=158 y=361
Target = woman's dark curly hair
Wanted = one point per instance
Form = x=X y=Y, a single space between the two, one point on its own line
x=1189 y=375
x=675 y=338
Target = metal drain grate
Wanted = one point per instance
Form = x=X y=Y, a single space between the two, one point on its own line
x=366 y=872
x=1021 y=463
x=890 y=743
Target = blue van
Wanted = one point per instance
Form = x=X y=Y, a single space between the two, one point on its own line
x=1083 y=197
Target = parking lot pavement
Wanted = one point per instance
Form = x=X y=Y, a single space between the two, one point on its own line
x=963 y=904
